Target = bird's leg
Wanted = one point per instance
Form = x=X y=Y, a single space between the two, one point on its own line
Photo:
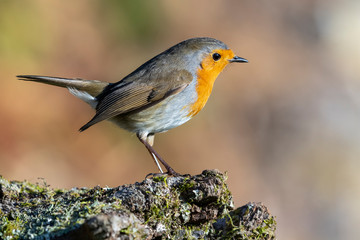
x=150 y=139
x=155 y=155
x=156 y=162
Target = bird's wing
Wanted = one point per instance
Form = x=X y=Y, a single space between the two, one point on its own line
x=138 y=95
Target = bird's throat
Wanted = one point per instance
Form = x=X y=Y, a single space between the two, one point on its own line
x=204 y=85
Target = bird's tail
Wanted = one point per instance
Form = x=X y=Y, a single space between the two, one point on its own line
x=91 y=87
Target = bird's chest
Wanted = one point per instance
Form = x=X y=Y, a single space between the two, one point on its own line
x=171 y=112
x=167 y=114
x=202 y=88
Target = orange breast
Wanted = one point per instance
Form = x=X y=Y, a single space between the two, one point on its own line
x=205 y=83
x=206 y=76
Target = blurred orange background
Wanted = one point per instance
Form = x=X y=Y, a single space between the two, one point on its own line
x=285 y=126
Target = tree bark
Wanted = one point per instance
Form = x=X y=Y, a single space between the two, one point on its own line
x=161 y=207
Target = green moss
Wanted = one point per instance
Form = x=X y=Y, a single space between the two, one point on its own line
x=175 y=208
x=38 y=210
x=165 y=210
x=266 y=230
x=247 y=223
x=9 y=229
x=186 y=185
x=159 y=178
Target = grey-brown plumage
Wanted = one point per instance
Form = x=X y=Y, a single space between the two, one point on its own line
x=131 y=96
x=92 y=87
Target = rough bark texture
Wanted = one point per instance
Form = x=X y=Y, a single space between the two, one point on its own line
x=184 y=207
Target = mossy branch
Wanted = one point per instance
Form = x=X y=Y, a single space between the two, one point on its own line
x=184 y=207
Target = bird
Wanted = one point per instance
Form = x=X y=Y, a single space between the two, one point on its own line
x=163 y=93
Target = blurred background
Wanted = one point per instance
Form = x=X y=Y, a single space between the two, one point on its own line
x=285 y=126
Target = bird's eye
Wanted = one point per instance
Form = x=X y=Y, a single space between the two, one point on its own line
x=216 y=56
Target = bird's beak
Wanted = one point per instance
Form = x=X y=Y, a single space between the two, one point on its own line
x=238 y=59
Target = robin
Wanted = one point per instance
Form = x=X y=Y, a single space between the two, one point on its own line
x=163 y=93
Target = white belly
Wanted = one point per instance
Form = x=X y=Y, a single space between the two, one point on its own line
x=168 y=114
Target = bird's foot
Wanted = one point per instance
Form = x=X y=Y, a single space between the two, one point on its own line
x=152 y=175
x=171 y=173
x=167 y=174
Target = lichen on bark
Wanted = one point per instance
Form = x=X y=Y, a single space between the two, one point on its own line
x=161 y=207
